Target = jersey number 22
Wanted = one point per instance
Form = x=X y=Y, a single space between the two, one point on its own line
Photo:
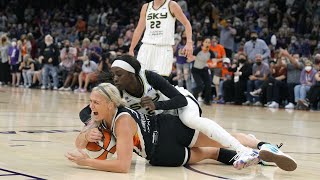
x=155 y=24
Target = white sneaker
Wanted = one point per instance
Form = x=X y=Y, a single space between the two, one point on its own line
x=273 y=105
x=258 y=103
x=77 y=90
x=43 y=87
x=68 y=89
x=61 y=89
x=246 y=158
x=247 y=103
x=55 y=88
x=271 y=153
x=256 y=93
x=289 y=106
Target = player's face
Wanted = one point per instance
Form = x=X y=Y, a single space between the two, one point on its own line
x=120 y=78
x=98 y=106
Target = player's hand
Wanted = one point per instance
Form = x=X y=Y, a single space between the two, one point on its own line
x=93 y=135
x=77 y=156
x=50 y=60
x=147 y=103
x=188 y=50
x=131 y=53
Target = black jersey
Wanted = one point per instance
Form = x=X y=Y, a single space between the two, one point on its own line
x=142 y=140
x=174 y=138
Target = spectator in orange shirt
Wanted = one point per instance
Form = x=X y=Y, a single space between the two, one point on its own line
x=81 y=25
x=220 y=53
x=226 y=75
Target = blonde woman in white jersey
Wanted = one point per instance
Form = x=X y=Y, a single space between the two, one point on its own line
x=157 y=21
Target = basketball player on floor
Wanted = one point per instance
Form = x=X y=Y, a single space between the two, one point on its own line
x=158 y=18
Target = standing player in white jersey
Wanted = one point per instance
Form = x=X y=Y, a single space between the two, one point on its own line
x=158 y=18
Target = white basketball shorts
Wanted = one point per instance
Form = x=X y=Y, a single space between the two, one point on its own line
x=157 y=58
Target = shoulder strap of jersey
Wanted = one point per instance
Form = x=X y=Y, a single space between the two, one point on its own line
x=119 y=112
x=169 y=1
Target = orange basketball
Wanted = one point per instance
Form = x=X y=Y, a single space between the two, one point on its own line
x=103 y=149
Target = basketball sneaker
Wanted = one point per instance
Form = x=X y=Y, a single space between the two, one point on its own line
x=246 y=158
x=271 y=153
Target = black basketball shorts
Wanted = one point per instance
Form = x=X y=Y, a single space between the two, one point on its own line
x=174 y=142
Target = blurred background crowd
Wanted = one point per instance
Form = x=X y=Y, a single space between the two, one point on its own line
x=266 y=52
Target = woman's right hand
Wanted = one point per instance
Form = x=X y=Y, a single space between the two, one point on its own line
x=131 y=53
x=93 y=135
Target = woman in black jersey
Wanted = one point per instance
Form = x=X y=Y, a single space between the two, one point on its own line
x=149 y=93
x=162 y=139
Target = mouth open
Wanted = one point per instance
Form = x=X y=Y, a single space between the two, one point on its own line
x=95 y=113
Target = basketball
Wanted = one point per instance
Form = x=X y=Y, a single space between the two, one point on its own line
x=103 y=149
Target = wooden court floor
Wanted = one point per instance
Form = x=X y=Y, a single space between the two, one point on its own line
x=37 y=127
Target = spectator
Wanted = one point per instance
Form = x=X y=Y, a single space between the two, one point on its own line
x=256 y=46
x=49 y=55
x=27 y=67
x=183 y=66
x=68 y=56
x=226 y=75
x=307 y=79
x=260 y=71
x=220 y=54
x=14 y=54
x=81 y=24
x=87 y=74
x=234 y=89
x=95 y=51
x=313 y=96
x=227 y=34
x=4 y=61
x=294 y=67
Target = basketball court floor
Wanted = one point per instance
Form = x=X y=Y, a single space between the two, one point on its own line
x=38 y=127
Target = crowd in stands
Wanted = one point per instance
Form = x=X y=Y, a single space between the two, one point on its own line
x=263 y=52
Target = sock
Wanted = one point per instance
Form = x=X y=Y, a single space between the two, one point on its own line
x=225 y=155
x=261 y=143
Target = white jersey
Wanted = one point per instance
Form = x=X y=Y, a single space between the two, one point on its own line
x=160 y=25
x=148 y=90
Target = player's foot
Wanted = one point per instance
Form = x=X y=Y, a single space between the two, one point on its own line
x=246 y=158
x=271 y=153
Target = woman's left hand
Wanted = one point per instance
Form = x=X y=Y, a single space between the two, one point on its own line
x=77 y=156
x=188 y=50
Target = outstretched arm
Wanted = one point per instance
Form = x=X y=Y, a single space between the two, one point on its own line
x=139 y=29
x=124 y=130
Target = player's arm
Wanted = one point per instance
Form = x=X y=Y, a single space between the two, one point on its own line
x=176 y=10
x=124 y=131
x=81 y=141
x=176 y=99
x=139 y=29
